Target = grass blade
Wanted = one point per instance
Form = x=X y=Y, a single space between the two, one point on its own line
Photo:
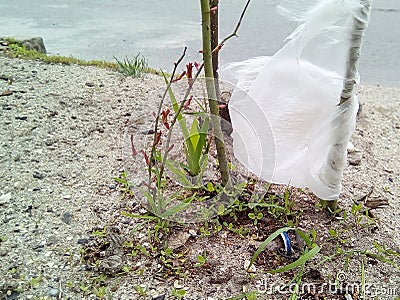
x=299 y=262
x=266 y=242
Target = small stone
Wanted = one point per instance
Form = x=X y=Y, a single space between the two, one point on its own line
x=251 y=269
x=38 y=247
x=350 y=147
x=83 y=241
x=22 y=118
x=67 y=197
x=66 y=218
x=161 y=297
x=37 y=175
x=178 y=240
x=28 y=209
x=53 y=292
x=14 y=295
x=355 y=161
x=177 y=285
x=112 y=186
x=52 y=240
x=5 y=198
x=36 y=44
x=89 y=84
x=49 y=142
x=6 y=93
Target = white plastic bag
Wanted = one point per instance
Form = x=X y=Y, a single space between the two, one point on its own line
x=287 y=124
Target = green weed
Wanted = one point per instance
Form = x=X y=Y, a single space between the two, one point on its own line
x=179 y=294
x=255 y=215
x=99 y=233
x=100 y=292
x=35 y=281
x=201 y=259
x=311 y=249
x=362 y=216
x=140 y=290
x=85 y=288
x=195 y=138
x=125 y=185
x=136 y=67
x=247 y=295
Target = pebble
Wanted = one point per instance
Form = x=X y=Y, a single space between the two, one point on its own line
x=112 y=186
x=5 y=198
x=52 y=240
x=355 y=161
x=83 y=241
x=13 y=296
x=246 y=265
x=38 y=247
x=351 y=148
x=177 y=284
x=67 y=217
x=53 y=292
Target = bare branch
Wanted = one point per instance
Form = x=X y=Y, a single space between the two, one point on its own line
x=234 y=33
x=153 y=148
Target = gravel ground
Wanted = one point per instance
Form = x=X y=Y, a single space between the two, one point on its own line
x=61 y=137
x=61 y=133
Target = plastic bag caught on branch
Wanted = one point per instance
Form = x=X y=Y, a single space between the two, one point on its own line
x=288 y=126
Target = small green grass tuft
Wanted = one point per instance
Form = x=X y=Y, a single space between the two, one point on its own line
x=136 y=67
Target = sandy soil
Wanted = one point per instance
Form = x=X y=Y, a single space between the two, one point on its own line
x=61 y=144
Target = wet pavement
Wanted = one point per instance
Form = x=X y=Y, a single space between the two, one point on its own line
x=102 y=29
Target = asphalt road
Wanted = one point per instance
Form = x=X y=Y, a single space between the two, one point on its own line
x=102 y=29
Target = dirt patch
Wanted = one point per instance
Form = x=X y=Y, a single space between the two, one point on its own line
x=62 y=131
